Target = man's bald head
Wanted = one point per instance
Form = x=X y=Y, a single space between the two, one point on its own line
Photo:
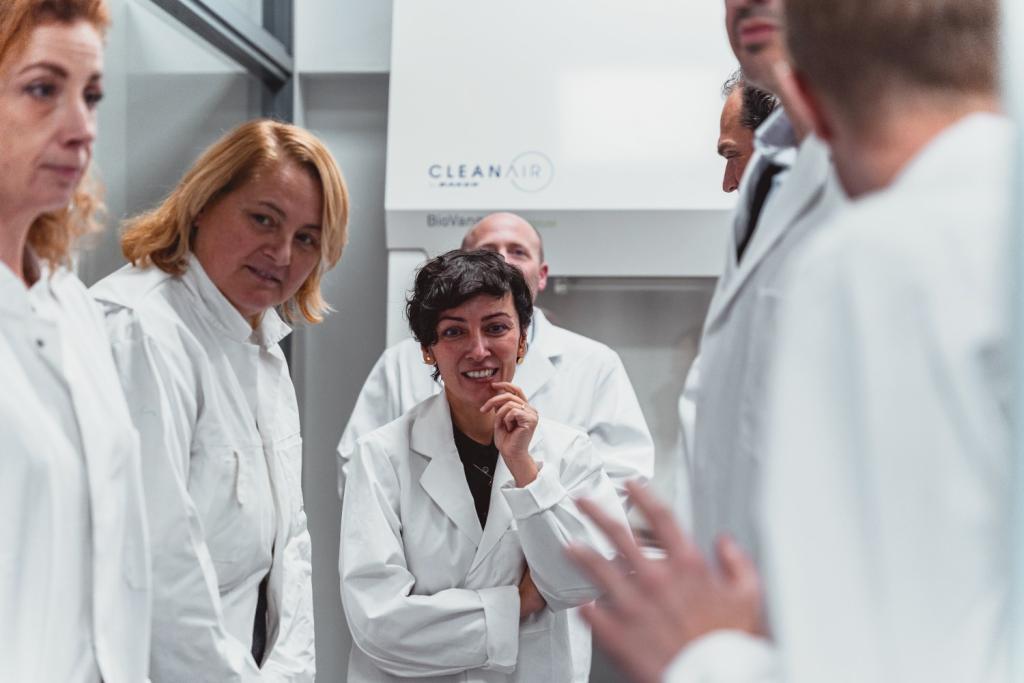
x=517 y=241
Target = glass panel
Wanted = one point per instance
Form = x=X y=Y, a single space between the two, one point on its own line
x=169 y=95
x=252 y=9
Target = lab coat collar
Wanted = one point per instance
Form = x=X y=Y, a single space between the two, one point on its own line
x=225 y=317
x=13 y=294
x=803 y=189
x=15 y=298
x=545 y=345
x=956 y=148
x=444 y=479
x=776 y=139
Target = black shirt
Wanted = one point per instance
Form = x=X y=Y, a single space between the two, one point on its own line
x=479 y=462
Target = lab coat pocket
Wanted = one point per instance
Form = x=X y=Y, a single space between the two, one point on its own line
x=221 y=486
x=543 y=655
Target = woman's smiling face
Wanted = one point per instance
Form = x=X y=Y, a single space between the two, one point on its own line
x=478 y=343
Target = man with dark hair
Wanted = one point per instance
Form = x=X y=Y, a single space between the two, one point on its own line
x=887 y=492
x=787 y=193
x=745 y=108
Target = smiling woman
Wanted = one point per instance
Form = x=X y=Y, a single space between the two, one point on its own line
x=238 y=248
x=456 y=516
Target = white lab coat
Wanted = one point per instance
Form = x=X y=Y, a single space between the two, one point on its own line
x=739 y=335
x=888 y=489
x=74 y=563
x=429 y=594
x=222 y=459
x=567 y=377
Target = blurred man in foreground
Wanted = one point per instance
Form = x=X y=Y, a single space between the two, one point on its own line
x=887 y=489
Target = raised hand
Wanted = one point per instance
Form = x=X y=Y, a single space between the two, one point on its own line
x=653 y=608
x=515 y=421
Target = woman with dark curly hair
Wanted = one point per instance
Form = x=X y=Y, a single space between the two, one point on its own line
x=457 y=515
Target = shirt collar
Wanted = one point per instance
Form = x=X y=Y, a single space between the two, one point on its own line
x=15 y=297
x=271 y=330
x=776 y=139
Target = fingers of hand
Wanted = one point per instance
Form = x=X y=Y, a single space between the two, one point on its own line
x=510 y=388
x=499 y=400
x=736 y=566
x=506 y=416
x=618 y=589
x=664 y=528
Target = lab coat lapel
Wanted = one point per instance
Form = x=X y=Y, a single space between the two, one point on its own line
x=444 y=480
x=537 y=368
x=499 y=515
x=793 y=202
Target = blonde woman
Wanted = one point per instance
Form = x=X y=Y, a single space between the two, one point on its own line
x=74 y=579
x=218 y=270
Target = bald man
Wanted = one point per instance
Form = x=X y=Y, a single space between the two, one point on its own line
x=568 y=378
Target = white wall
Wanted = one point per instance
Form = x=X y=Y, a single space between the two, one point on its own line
x=169 y=95
x=349 y=113
x=342 y=53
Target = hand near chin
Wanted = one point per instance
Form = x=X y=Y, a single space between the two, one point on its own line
x=515 y=421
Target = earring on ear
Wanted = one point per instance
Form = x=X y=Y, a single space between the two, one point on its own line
x=523 y=346
x=428 y=359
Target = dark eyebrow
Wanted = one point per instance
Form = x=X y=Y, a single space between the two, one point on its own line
x=451 y=317
x=496 y=315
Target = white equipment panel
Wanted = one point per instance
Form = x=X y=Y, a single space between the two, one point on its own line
x=597 y=120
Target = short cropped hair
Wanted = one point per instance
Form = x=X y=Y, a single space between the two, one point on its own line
x=53 y=235
x=454 y=278
x=855 y=51
x=756 y=105
x=163 y=236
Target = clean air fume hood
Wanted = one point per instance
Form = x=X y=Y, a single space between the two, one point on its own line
x=597 y=120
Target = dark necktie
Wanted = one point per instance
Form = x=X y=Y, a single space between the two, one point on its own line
x=764 y=187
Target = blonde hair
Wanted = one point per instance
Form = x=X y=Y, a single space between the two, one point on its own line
x=857 y=51
x=52 y=235
x=163 y=236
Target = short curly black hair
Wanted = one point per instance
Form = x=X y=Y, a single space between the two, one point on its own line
x=454 y=278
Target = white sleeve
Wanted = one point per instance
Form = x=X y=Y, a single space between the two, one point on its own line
x=374 y=408
x=883 y=497
x=617 y=427
x=403 y=634
x=549 y=521
x=725 y=657
x=190 y=641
